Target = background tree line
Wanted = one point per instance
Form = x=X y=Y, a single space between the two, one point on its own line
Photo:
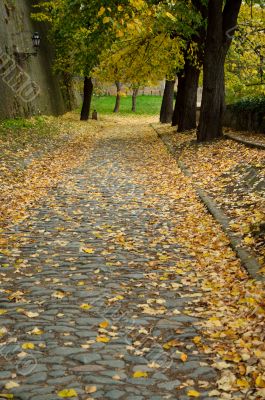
x=142 y=41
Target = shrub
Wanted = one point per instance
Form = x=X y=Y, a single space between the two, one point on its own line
x=251 y=103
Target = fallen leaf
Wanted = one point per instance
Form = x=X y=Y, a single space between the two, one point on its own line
x=243 y=383
x=31 y=314
x=88 y=250
x=104 y=324
x=214 y=393
x=28 y=346
x=153 y=364
x=11 y=385
x=140 y=374
x=116 y=298
x=249 y=240
x=3 y=331
x=193 y=393
x=36 y=331
x=171 y=343
x=260 y=382
x=90 y=389
x=58 y=294
x=85 y=306
x=183 y=357
x=116 y=377
x=197 y=339
x=103 y=339
x=67 y=393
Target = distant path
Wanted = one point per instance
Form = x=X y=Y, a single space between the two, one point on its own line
x=105 y=277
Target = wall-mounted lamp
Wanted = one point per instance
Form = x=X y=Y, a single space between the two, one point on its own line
x=22 y=56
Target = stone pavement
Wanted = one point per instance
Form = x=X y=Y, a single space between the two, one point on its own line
x=99 y=303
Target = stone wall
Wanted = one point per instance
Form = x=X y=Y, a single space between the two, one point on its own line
x=246 y=120
x=27 y=84
x=251 y=121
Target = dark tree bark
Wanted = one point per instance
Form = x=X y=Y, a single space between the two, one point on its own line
x=188 y=104
x=118 y=97
x=166 y=111
x=134 y=97
x=179 y=97
x=88 y=91
x=221 y=27
x=186 y=100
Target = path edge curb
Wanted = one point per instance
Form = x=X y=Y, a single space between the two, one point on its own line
x=245 y=142
x=249 y=262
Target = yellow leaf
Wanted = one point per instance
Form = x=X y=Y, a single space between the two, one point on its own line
x=2 y=312
x=215 y=321
x=196 y=339
x=6 y=395
x=169 y=15
x=138 y=4
x=11 y=385
x=193 y=393
x=179 y=271
x=260 y=382
x=89 y=251
x=243 y=383
x=119 y=33
x=101 y=11
x=28 y=346
x=140 y=374
x=249 y=240
x=106 y=20
x=163 y=257
x=85 y=306
x=67 y=393
x=242 y=369
x=116 y=298
x=104 y=324
x=183 y=357
x=103 y=339
x=171 y=343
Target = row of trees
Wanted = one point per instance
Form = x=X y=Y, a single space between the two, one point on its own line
x=139 y=41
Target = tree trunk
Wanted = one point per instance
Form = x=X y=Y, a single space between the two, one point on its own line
x=118 y=97
x=88 y=91
x=134 y=96
x=179 y=97
x=166 y=111
x=188 y=104
x=212 y=107
x=220 y=30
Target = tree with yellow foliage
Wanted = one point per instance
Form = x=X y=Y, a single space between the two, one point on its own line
x=245 y=65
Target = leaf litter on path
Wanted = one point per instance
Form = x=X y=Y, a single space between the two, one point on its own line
x=230 y=306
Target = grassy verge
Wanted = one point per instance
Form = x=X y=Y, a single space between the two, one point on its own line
x=145 y=105
x=19 y=133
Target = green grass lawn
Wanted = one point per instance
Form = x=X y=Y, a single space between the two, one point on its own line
x=149 y=105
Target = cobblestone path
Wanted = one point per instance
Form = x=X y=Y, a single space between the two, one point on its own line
x=103 y=284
